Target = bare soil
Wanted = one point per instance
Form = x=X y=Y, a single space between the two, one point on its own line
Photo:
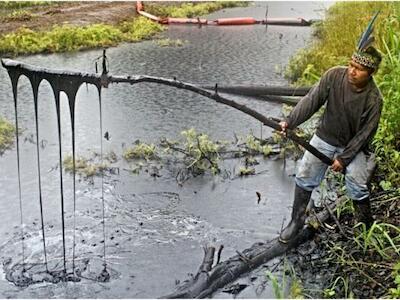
x=73 y=13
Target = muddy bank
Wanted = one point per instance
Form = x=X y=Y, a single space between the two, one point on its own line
x=80 y=13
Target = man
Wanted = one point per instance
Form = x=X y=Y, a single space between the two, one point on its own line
x=348 y=124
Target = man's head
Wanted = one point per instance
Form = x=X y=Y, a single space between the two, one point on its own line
x=363 y=65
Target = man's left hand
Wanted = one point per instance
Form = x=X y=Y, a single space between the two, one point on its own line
x=337 y=166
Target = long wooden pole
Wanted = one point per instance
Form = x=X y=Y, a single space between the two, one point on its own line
x=104 y=80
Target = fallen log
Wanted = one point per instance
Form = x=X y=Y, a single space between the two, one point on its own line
x=203 y=285
x=255 y=90
x=289 y=100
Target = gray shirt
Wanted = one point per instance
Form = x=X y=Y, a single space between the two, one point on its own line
x=351 y=116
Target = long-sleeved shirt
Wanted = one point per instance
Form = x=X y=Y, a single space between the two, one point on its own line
x=351 y=116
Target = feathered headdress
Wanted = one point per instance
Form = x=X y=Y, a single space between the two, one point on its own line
x=361 y=56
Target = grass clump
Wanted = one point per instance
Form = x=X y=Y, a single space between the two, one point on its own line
x=189 y=10
x=18 y=15
x=24 y=4
x=7 y=133
x=139 y=29
x=83 y=166
x=140 y=150
x=201 y=152
x=256 y=147
x=170 y=43
x=244 y=171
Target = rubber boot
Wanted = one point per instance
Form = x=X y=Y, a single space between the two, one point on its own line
x=301 y=199
x=363 y=212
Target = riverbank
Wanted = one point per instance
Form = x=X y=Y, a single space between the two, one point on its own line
x=47 y=27
x=350 y=261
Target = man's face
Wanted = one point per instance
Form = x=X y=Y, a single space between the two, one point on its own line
x=358 y=75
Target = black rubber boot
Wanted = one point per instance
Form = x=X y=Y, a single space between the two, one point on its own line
x=363 y=212
x=301 y=199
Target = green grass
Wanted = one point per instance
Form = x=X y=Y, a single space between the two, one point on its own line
x=24 y=4
x=190 y=10
x=18 y=15
x=73 y=38
x=140 y=150
x=83 y=167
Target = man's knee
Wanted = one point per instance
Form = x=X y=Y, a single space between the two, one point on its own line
x=356 y=190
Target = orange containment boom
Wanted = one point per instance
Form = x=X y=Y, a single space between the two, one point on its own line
x=223 y=21
x=236 y=21
x=184 y=21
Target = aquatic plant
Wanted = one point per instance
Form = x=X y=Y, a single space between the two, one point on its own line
x=140 y=150
x=255 y=146
x=7 y=134
x=83 y=166
x=202 y=153
x=170 y=42
x=244 y=171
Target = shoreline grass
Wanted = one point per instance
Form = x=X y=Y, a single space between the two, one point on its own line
x=63 y=38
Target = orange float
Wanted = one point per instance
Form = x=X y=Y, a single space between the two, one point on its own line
x=236 y=21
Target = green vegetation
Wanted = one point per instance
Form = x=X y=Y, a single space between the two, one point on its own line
x=19 y=15
x=61 y=38
x=70 y=38
x=170 y=43
x=190 y=10
x=140 y=150
x=7 y=133
x=202 y=153
x=280 y=287
x=24 y=4
x=83 y=167
x=244 y=171
x=255 y=146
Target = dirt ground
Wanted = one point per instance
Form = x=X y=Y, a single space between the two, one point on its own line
x=76 y=13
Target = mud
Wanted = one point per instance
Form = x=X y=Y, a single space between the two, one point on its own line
x=80 y=13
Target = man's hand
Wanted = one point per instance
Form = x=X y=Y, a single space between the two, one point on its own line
x=337 y=166
x=284 y=125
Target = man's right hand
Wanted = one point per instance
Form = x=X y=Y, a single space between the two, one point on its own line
x=284 y=125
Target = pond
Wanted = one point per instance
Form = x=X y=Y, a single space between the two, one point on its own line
x=154 y=227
